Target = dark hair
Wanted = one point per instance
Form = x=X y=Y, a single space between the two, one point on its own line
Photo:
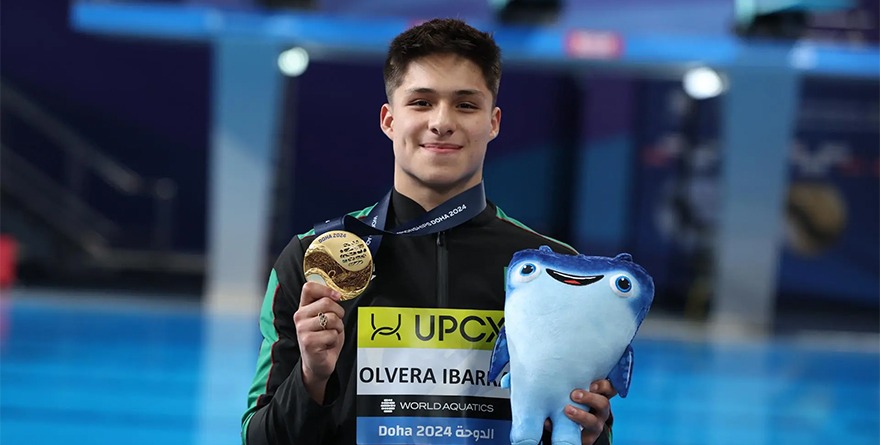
x=443 y=36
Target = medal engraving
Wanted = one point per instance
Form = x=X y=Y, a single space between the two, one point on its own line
x=341 y=261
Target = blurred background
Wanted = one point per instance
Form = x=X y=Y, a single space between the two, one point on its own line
x=155 y=157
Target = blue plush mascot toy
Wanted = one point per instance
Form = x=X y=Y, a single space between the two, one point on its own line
x=569 y=321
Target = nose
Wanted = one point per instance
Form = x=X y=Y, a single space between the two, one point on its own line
x=442 y=122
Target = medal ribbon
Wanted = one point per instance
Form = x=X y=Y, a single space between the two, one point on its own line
x=451 y=213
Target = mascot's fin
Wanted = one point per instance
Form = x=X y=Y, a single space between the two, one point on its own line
x=621 y=375
x=500 y=355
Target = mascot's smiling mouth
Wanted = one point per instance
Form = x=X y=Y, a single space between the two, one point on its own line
x=574 y=280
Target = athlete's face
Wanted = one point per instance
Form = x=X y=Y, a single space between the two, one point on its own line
x=440 y=120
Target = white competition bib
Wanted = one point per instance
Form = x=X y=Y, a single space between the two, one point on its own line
x=422 y=377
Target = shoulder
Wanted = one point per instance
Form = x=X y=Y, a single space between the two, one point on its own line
x=525 y=236
x=307 y=237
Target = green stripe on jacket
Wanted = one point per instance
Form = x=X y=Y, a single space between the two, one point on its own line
x=264 y=360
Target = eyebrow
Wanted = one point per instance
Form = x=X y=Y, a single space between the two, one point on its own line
x=456 y=93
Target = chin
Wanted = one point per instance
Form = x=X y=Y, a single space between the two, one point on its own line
x=439 y=178
x=444 y=183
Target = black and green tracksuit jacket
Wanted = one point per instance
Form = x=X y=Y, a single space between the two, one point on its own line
x=460 y=268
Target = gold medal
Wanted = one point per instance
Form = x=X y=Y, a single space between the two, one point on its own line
x=341 y=261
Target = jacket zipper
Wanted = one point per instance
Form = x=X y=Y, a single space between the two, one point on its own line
x=442 y=271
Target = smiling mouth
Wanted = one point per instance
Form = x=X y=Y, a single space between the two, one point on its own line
x=574 y=280
x=441 y=147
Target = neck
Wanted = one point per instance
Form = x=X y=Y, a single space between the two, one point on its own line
x=431 y=197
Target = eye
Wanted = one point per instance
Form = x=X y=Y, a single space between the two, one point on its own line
x=622 y=285
x=468 y=106
x=420 y=103
x=526 y=272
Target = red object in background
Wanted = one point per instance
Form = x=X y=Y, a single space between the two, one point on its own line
x=8 y=261
x=8 y=257
x=588 y=44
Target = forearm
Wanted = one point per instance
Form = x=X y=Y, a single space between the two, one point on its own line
x=292 y=416
x=280 y=409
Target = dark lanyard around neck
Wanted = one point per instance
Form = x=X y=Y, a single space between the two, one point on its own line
x=451 y=213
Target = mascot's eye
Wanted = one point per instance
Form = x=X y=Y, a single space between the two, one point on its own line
x=525 y=272
x=621 y=285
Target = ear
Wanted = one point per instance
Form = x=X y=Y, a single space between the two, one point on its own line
x=496 y=123
x=386 y=119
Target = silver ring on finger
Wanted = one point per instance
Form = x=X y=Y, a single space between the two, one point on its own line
x=322 y=320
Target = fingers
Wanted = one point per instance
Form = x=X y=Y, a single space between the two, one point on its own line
x=323 y=321
x=320 y=340
x=310 y=320
x=592 y=425
x=316 y=299
x=320 y=334
x=312 y=292
x=598 y=404
x=315 y=336
x=592 y=421
x=603 y=387
x=310 y=315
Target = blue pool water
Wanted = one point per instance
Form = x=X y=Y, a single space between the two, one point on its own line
x=77 y=371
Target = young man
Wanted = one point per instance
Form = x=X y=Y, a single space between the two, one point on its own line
x=441 y=79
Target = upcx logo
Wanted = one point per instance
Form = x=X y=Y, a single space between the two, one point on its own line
x=471 y=328
x=384 y=330
x=428 y=328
